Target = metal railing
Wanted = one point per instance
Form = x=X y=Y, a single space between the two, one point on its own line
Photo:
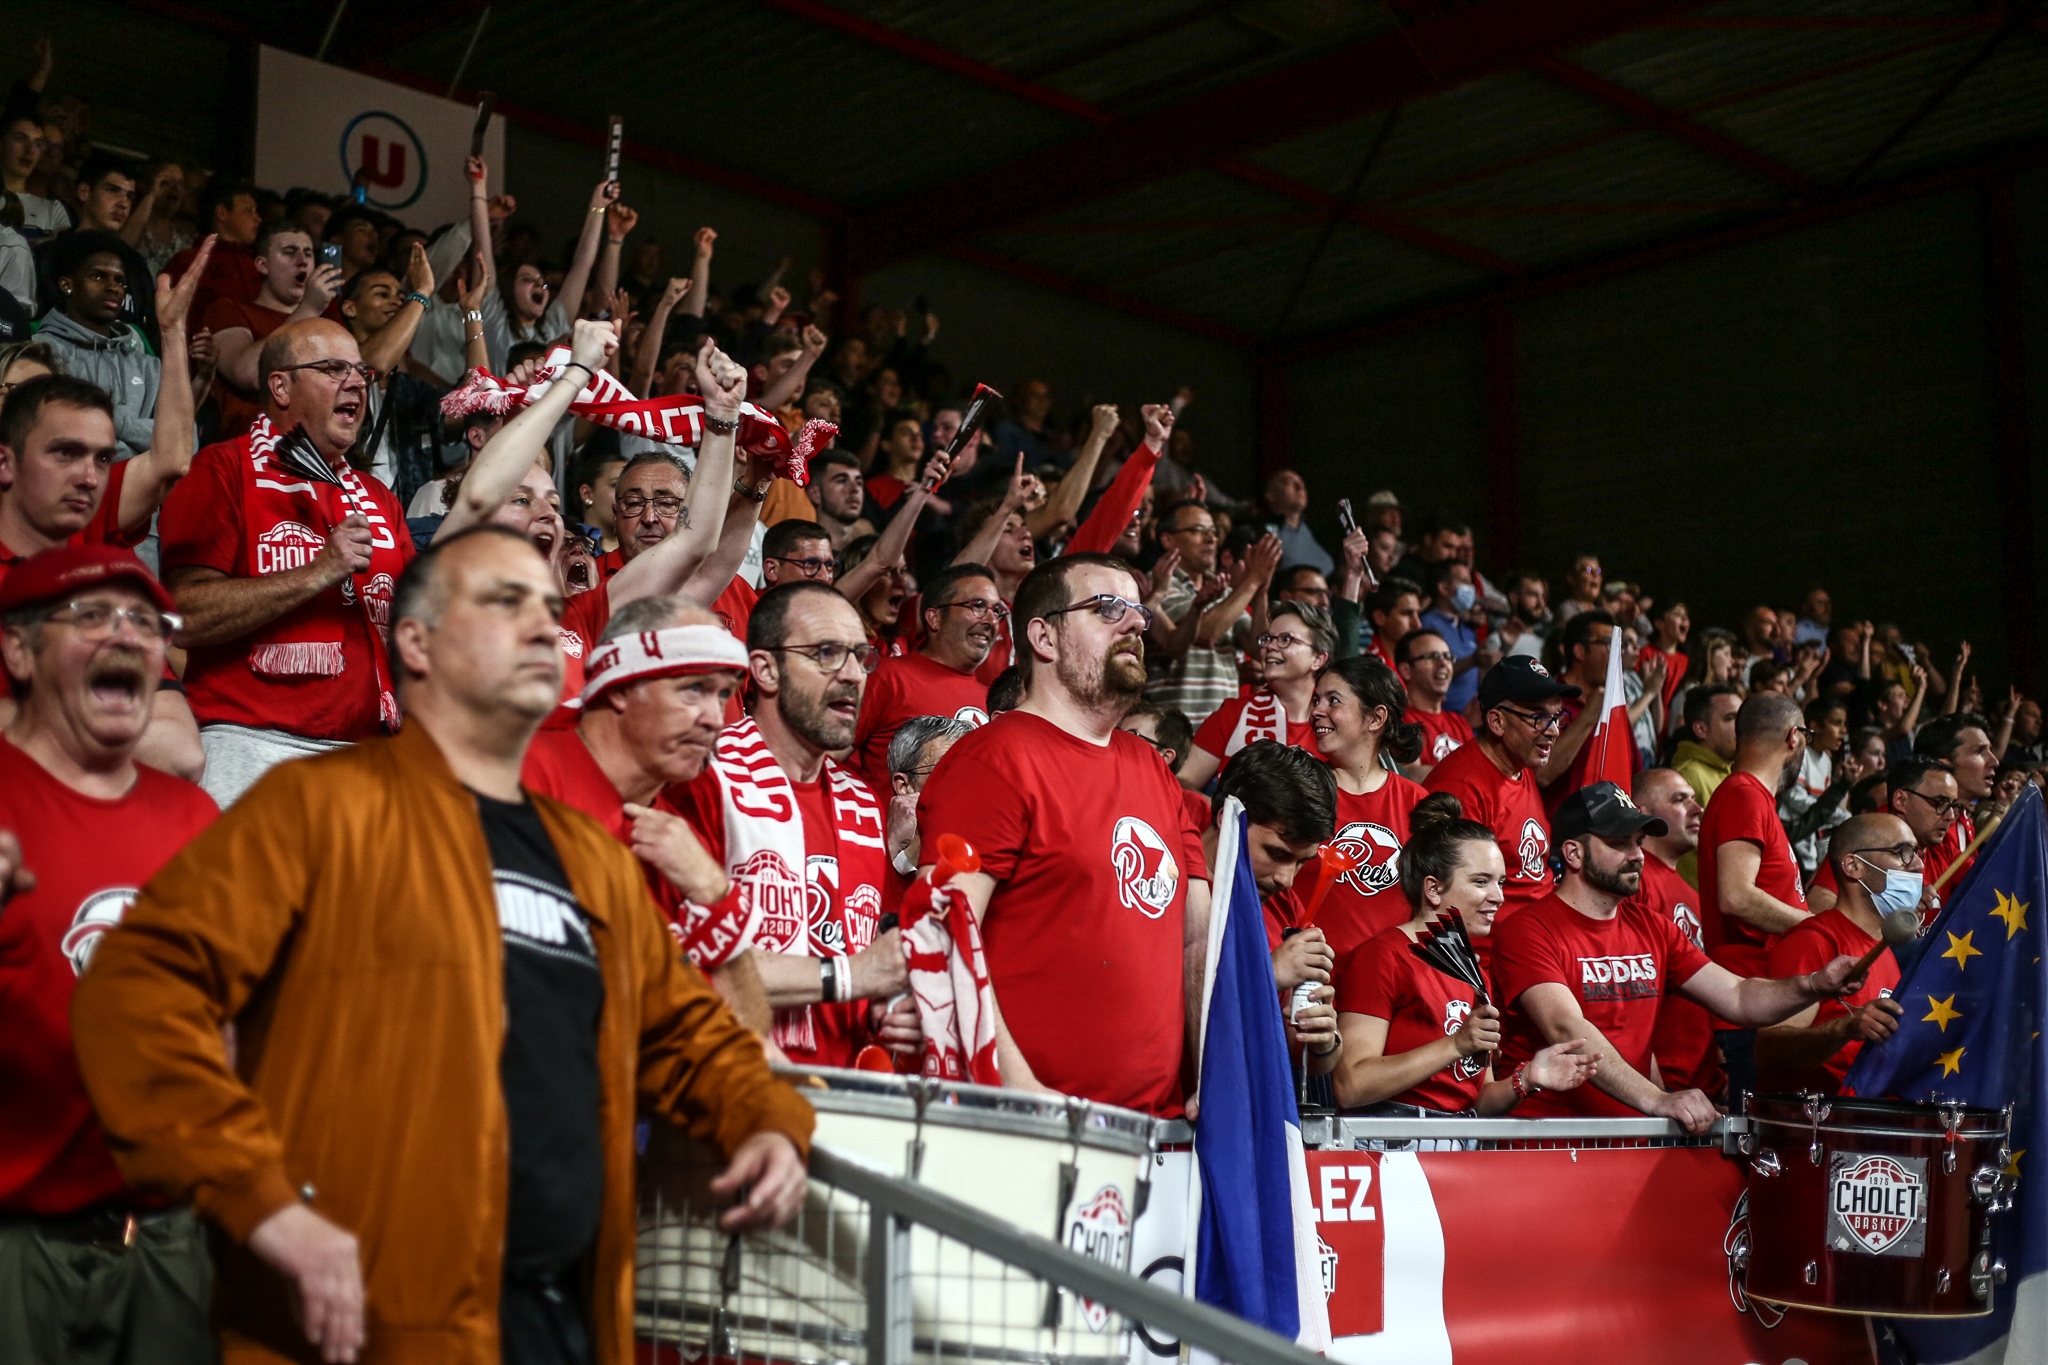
x=880 y=1270
x=1505 y=1134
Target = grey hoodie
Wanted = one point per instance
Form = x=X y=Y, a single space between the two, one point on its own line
x=121 y=364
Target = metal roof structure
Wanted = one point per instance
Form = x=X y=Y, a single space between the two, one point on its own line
x=1281 y=175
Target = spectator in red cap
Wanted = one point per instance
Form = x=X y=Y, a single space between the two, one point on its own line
x=1093 y=893
x=83 y=630
x=1425 y=665
x=1521 y=709
x=283 y=559
x=964 y=615
x=1591 y=961
x=1813 y=1050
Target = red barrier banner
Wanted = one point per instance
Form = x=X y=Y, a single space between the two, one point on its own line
x=1552 y=1257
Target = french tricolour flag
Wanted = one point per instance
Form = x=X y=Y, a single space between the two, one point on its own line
x=1253 y=1252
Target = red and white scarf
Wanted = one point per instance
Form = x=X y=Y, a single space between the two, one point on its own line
x=677 y=419
x=1262 y=717
x=292 y=499
x=949 y=981
x=784 y=904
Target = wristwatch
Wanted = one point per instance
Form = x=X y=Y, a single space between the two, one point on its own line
x=474 y=315
x=745 y=489
x=724 y=426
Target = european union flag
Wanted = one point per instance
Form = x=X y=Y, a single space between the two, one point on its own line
x=1972 y=1031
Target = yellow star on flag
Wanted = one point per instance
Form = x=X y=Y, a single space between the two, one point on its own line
x=1961 y=950
x=2013 y=911
x=1940 y=1012
x=2012 y=1164
x=1951 y=1062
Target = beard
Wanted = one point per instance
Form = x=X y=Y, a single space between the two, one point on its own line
x=1530 y=617
x=1625 y=880
x=806 y=714
x=1117 y=679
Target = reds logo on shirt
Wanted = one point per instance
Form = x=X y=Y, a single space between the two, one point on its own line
x=287 y=546
x=1456 y=1012
x=571 y=642
x=776 y=902
x=971 y=715
x=377 y=594
x=1688 y=921
x=1535 y=844
x=1442 y=748
x=1378 y=851
x=99 y=912
x=821 y=888
x=1146 y=874
x=863 y=910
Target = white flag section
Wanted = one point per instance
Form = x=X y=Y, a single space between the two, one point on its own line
x=1252 y=1245
x=316 y=125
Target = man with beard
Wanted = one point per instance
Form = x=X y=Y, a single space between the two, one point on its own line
x=283 y=559
x=1688 y=1058
x=1528 y=619
x=1093 y=892
x=82 y=825
x=1592 y=960
x=410 y=943
x=799 y=839
x=1521 y=709
x=962 y=611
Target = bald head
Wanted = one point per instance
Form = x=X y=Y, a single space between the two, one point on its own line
x=1859 y=838
x=326 y=400
x=297 y=342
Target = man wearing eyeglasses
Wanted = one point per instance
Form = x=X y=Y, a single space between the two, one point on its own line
x=1494 y=778
x=963 y=612
x=800 y=839
x=1925 y=794
x=797 y=550
x=1427 y=664
x=283 y=559
x=83 y=630
x=1093 y=893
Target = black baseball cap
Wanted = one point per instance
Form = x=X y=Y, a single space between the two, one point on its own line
x=1603 y=809
x=1519 y=678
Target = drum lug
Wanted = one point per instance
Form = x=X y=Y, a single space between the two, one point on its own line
x=1766 y=1164
x=1941 y=1280
x=1986 y=1273
x=1812 y=1272
x=1817 y=1111
x=1951 y=1120
x=1992 y=1187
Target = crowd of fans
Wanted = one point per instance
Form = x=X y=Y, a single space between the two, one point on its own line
x=531 y=659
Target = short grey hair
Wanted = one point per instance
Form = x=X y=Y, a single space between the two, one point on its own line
x=643 y=614
x=916 y=735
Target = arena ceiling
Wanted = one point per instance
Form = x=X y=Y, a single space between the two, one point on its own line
x=1283 y=175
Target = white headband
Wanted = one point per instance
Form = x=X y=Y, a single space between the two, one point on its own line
x=661 y=654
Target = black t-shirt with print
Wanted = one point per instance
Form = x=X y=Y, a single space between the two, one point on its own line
x=554 y=994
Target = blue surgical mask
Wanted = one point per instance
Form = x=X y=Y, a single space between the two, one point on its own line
x=1463 y=596
x=1901 y=889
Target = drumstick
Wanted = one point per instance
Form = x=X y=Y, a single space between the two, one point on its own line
x=1899 y=927
x=1964 y=856
x=1336 y=864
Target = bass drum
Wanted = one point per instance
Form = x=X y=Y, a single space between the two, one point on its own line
x=1070 y=1170
x=1874 y=1206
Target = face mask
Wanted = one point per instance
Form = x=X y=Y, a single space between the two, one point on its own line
x=1901 y=889
x=1463 y=596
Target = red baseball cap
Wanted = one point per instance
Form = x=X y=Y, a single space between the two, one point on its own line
x=71 y=568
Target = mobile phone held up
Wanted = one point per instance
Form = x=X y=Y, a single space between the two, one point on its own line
x=330 y=254
x=611 y=151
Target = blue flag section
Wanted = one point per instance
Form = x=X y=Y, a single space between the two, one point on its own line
x=1972 y=1032
x=1252 y=1182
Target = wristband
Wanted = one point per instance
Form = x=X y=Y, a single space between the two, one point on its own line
x=1523 y=1086
x=415 y=297
x=724 y=426
x=599 y=208
x=830 y=984
x=579 y=365
x=742 y=487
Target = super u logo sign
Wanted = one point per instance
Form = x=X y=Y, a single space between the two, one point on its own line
x=388 y=155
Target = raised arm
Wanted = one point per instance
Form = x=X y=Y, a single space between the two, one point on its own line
x=619 y=222
x=506 y=457
x=1955 y=690
x=983 y=546
x=893 y=544
x=1574 y=736
x=171 y=443
x=1064 y=507
x=1260 y=563
x=385 y=351
x=784 y=390
x=1756 y=1001
x=668 y=566
x=578 y=279
x=483 y=277
x=648 y=360
x=700 y=273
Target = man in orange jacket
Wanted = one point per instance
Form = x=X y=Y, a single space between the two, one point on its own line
x=450 y=998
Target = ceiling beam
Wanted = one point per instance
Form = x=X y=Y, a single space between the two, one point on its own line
x=1788 y=219
x=1097 y=294
x=1352 y=79
x=1670 y=123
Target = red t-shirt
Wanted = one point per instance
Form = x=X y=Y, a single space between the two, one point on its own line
x=1218 y=735
x=238 y=410
x=1513 y=809
x=1577 y=775
x=885 y=489
x=103 y=529
x=583 y=620
x=735 y=607
x=1368 y=900
x=1687 y=1055
x=904 y=687
x=90 y=858
x=1934 y=861
x=1743 y=808
x=1384 y=978
x=1619 y=968
x=1092 y=853
x=1442 y=732
x=230 y=274
x=203 y=523
x=1808 y=948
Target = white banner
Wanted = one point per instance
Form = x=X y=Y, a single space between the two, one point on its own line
x=317 y=124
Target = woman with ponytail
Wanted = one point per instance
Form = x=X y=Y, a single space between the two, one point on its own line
x=1412 y=1039
x=1298 y=641
x=1355 y=712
